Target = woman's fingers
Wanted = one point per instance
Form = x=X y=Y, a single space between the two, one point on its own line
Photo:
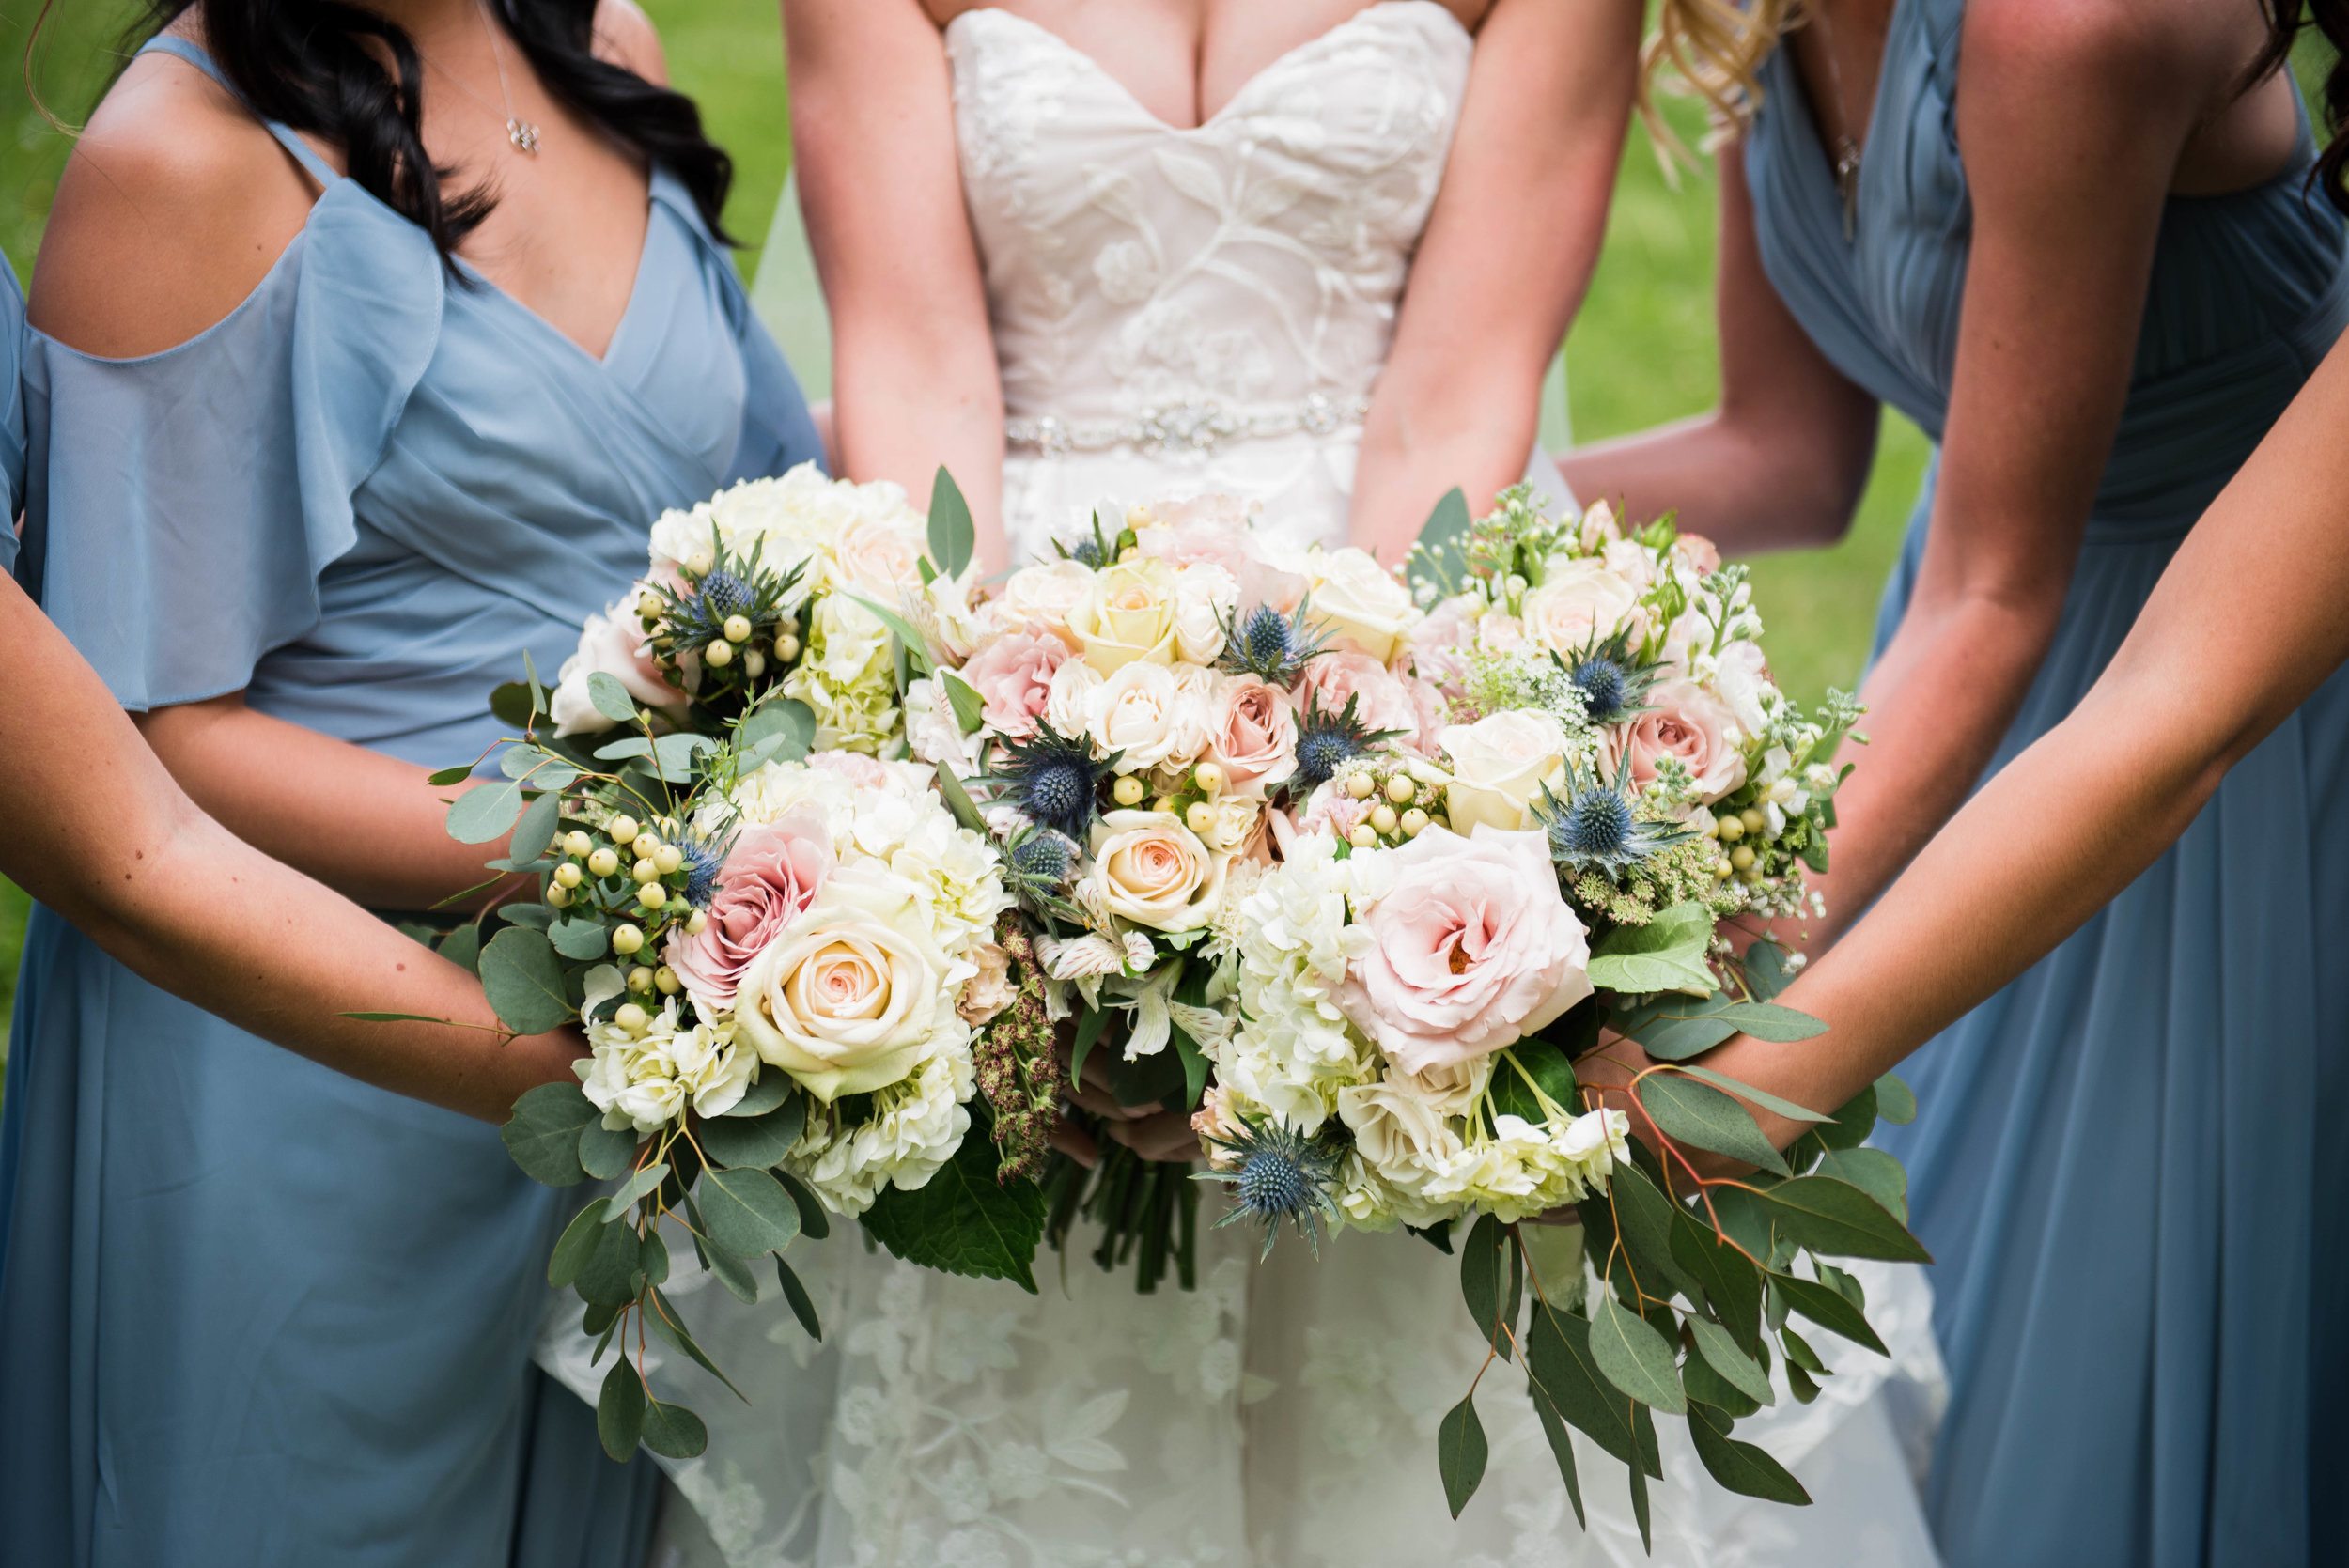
x=1074 y=1141
x=1165 y=1136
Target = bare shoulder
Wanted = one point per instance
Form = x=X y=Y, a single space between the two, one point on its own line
x=625 y=36
x=173 y=208
x=2168 y=40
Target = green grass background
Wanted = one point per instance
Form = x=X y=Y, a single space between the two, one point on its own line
x=1641 y=352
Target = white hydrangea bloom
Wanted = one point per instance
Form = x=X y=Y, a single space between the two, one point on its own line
x=913 y=1129
x=647 y=1081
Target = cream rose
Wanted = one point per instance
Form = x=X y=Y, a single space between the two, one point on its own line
x=1499 y=766
x=877 y=556
x=1204 y=596
x=1128 y=614
x=990 y=991
x=1155 y=719
x=1045 y=596
x=1691 y=725
x=1150 y=869
x=1069 y=700
x=848 y=1001
x=1366 y=607
x=1577 y=601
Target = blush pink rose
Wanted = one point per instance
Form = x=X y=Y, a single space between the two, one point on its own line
x=1251 y=733
x=770 y=877
x=1687 y=722
x=1013 y=677
x=1440 y=643
x=1468 y=951
x=1382 y=702
x=859 y=770
x=1703 y=555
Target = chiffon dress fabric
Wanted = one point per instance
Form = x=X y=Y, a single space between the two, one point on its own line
x=2128 y=1163
x=11 y=411
x=251 y=1312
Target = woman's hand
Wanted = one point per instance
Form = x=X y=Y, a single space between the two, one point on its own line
x=1150 y=1130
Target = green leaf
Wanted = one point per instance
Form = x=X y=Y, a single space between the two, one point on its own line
x=538 y=692
x=1787 y=1109
x=1561 y=1450
x=1460 y=1453
x=1480 y=1260
x=1527 y=1066
x=1875 y=1173
x=579 y=937
x=620 y=1410
x=814 y=1224
x=953 y=539
x=1799 y=1382
x=766 y=1091
x=1721 y=1354
x=1194 y=1062
x=787 y=722
x=626 y=746
x=484 y=812
x=1766 y=968
x=1828 y=1307
x=1559 y=1351
x=611 y=698
x=1895 y=1102
x=958 y=800
x=1839 y=1219
x=1642 y=1421
x=606 y=1153
x=542 y=1135
x=523 y=980
x=802 y=1305
x=970 y=710
x=1672 y=1029
x=1090 y=1022
x=652 y=1257
x=448 y=776
x=1643 y=1223
x=960 y=1221
x=1852 y=1123
x=536 y=828
x=1745 y=1469
x=1440 y=538
x=463 y=947
x=1799 y=1353
x=756 y=1142
x=1634 y=1357
x=391 y=1018
x=732 y=1272
x=749 y=1213
x=674 y=1431
x=511 y=705
x=908 y=639
x=661 y=1316
x=1704 y=1118
x=610 y=1278
x=1731 y=1281
x=576 y=1246
x=1707 y=1387
x=1665 y=954
x=643 y=1181
x=675 y=755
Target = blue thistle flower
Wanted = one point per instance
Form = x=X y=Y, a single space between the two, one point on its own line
x=1053 y=779
x=1086 y=553
x=1613 y=679
x=1041 y=858
x=1275 y=1174
x=1272 y=647
x=1594 y=827
x=725 y=595
x=703 y=862
x=1327 y=741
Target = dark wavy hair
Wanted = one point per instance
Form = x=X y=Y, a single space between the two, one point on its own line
x=2286 y=18
x=308 y=63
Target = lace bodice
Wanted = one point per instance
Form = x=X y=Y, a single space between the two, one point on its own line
x=1133 y=268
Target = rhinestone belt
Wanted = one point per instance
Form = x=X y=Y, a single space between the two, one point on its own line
x=1200 y=427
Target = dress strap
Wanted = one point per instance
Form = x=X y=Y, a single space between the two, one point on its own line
x=164 y=44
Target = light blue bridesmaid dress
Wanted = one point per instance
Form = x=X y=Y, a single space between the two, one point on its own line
x=2129 y=1162
x=253 y=1312
x=11 y=411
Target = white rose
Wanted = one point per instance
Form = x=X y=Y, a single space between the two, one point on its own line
x=1126 y=614
x=1070 y=701
x=1234 y=821
x=1366 y=607
x=1499 y=766
x=848 y=1000
x=1139 y=711
x=1150 y=869
x=1743 y=683
x=876 y=557
x=1045 y=596
x=1580 y=600
x=1204 y=596
x=611 y=644
x=1629 y=560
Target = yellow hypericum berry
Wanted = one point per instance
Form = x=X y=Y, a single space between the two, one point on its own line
x=1729 y=828
x=1129 y=790
x=1414 y=822
x=1359 y=786
x=1138 y=517
x=753 y=663
x=1163 y=805
x=640 y=979
x=1362 y=837
x=632 y=1018
x=698 y=924
x=623 y=829
x=602 y=864
x=670 y=827
x=569 y=876
x=1383 y=818
x=738 y=628
x=1209 y=777
x=669 y=857
x=652 y=896
x=558 y=898
x=719 y=654
x=578 y=845
x=786 y=647
x=1400 y=790
x=647 y=845
x=699 y=563
x=645 y=871
x=1754 y=821
x=1741 y=857
x=627 y=939
x=1198 y=817
x=665 y=978
x=1721 y=872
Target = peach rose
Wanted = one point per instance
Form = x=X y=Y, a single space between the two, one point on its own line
x=1578 y=600
x=1150 y=869
x=770 y=877
x=1251 y=734
x=1688 y=723
x=877 y=557
x=1046 y=595
x=1703 y=555
x=1468 y=949
x=1013 y=677
x=1381 y=701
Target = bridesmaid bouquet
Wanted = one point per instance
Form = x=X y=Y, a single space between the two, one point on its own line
x=1451 y=931
x=1134 y=721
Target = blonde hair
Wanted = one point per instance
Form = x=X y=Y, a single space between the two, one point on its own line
x=1716 y=48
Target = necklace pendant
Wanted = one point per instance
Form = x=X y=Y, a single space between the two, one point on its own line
x=1848 y=184
x=523 y=134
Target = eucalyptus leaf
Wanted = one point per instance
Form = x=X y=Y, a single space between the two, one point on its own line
x=626 y=746
x=1895 y=1103
x=1634 y=1357
x=1838 y=1220
x=1703 y=1116
x=1707 y=1387
x=576 y=1246
x=1745 y=1469
x=1442 y=559
x=542 y=1135
x=1829 y=1309
x=802 y=1305
x=485 y=812
x=1798 y=1382
x=748 y=1213
x=674 y=753
x=643 y=1181
x=1639 y=1487
x=814 y=1224
x=610 y=1278
x=1665 y=954
x=579 y=937
x=538 y=692
x=606 y=1152
x=768 y=1091
x=1480 y=1282
x=1785 y=1107
x=1852 y=1123
x=1721 y=1354
x=463 y=947
x=661 y=1316
x=674 y=1431
x=1798 y=1351
x=1460 y=1453
x=1558 y=1351
x=787 y=721
x=610 y=698
x=1643 y=1223
x=916 y=650
x=535 y=830
x=958 y=800
x=523 y=980
x=620 y=1410
x=755 y=1141
x=510 y=705
x=1731 y=1281
x=1672 y=1029
x=970 y=710
x=1766 y=974
x=652 y=1258
x=1090 y=1022
x=1561 y=1450
x=953 y=539
x=448 y=776
x=1875 y=1173
x=734 y=1273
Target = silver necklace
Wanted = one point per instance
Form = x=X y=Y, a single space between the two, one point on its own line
x=1845 y=152
x=522 y=132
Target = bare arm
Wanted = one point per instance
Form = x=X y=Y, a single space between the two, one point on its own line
x=1504 y=264
x=914 y=382
x=2079 y=816
x=1781 y=462
x=100 y=834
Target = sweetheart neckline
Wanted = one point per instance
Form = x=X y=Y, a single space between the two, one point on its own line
x=1215 y=120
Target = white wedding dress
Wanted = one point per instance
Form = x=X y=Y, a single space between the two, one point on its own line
x=1179 y=311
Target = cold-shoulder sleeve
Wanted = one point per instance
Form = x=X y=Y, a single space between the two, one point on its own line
x=12 y=413
x=181 y=506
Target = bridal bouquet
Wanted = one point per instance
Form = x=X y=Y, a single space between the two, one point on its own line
x=1135 y=720
x=787 y=965
x=1457 y=922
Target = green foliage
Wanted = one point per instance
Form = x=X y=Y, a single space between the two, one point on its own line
x=754 y=1141
x=1633 y=1356
x=485 y=812
x=643 y=1181
x=1829 y=1309
x=1460 y=1453
x=802 y=1305
x=523 y=980
x=1665 y=954
x=543 y=1133
x=1673 y=1028
x=1743 y=1468
x=576 y=1247
x=953 y=540
x=961 y=1221
x=749 y=1213
x=1438 y=561
x=1491 y=1276
x=1698 y=1114
x=605 y=1152
x=674 y=1431
x=1839 y=1219
x=620 y=1410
